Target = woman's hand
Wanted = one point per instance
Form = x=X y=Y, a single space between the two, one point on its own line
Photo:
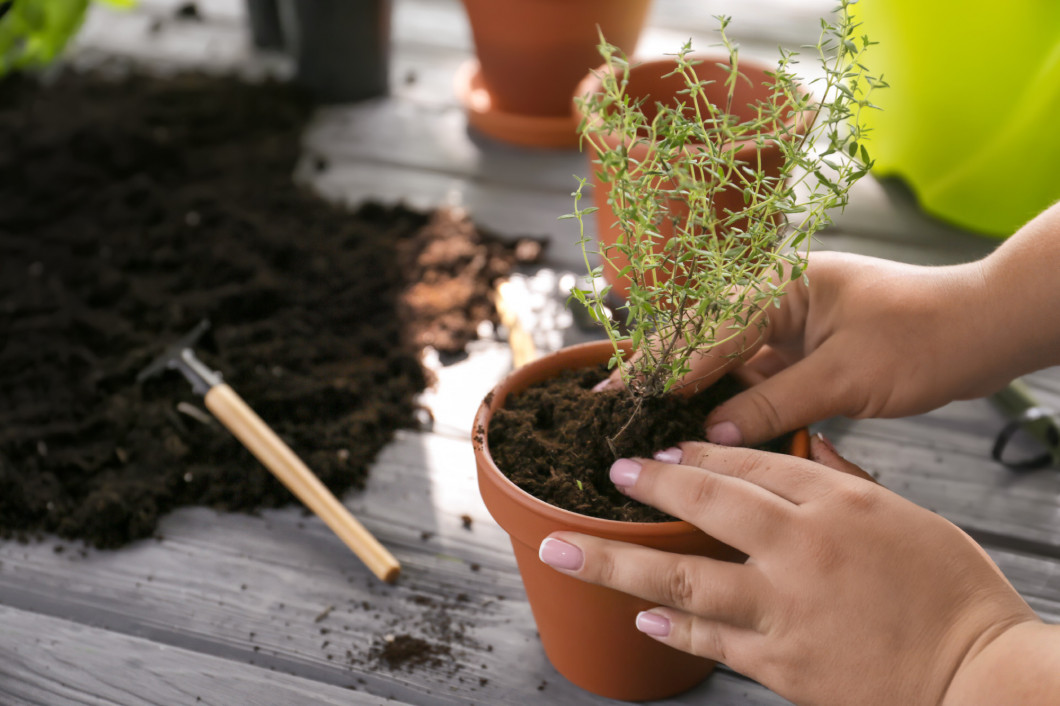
x=863 y=338
x=850 y=595
x=874 y=338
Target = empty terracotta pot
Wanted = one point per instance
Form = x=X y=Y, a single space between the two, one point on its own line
x=531 y=54
x=649 y=80
x=588 y=631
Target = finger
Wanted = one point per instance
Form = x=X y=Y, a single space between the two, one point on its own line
x=807 y=392
x=717 y=589
x=709 y=366
x=706 y=367
x=611 y=382
x=703 y=637
x=793 y=479
x=766 y=363
x=756 y=355
x=822 y=451
x=741 y=514
x=748 y=377
x=738 y=343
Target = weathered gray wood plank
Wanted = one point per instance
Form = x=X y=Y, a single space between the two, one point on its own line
x=188 y=591
x=941 y=461
x=233 y=603
x=279 y=591
x=254 y=589
x=792 y=23
x=46 y=661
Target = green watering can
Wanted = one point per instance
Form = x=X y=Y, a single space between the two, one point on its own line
x=971 y=120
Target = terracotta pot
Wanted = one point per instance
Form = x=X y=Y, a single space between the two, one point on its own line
x=531 y=56
x=650 y=78
x=588 y=631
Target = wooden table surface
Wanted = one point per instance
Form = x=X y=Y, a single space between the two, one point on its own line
x=273 y=609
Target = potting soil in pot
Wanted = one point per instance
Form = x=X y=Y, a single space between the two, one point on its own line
x=557 y=439
x=130 y=210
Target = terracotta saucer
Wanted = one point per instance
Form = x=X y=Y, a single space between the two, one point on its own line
x=526 y=130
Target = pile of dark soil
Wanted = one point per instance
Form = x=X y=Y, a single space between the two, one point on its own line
x=132 y=209
x=557 y=439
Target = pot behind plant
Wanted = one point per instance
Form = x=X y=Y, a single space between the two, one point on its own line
x=649 y=80
x=266 y=29
x=588 y=632
x=341 y=48
x=531 y=54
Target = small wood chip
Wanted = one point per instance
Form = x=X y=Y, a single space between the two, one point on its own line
x=195 y=413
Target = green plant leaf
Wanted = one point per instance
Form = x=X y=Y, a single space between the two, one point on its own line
x=725 y=258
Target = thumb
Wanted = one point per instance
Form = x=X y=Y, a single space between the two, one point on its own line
x=795 y=397
x=705 y=367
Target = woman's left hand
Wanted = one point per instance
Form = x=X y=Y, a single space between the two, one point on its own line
x=851 y=594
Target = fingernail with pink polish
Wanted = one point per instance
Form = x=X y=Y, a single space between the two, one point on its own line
x=670 y=455
x=624 y=472
x=725 y=434
x=653 y=624
x=826 y=443
x=560 y=555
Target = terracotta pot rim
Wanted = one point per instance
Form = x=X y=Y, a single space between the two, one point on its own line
x=556 y=131
x=585 y=523
x=592 y=83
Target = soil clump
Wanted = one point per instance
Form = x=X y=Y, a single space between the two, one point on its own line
x=133 y=208
x=557 y=439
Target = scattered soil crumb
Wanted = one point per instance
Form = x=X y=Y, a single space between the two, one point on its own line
x=557 y=439
x=188 y=11
x=139 y=205
x=407 y=652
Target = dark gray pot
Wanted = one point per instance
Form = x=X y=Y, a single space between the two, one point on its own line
x=341 y=48
x=263 y=17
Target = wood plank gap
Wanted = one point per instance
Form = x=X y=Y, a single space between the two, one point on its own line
x=990 y=539
x=118 y=622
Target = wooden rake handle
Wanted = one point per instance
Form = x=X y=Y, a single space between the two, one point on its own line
x=262 y=441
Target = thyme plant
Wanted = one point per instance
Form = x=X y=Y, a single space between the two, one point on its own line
x=723 y=266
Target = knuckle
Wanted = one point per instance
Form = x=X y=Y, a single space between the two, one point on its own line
x=746 y=465
x=763 y=410
x=679 y=585
x=858 y=399
x=701 y=494
x=601 y=568
x=862 y=498
x=709 y=643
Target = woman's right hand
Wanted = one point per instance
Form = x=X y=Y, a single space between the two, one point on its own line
x=864 y=337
